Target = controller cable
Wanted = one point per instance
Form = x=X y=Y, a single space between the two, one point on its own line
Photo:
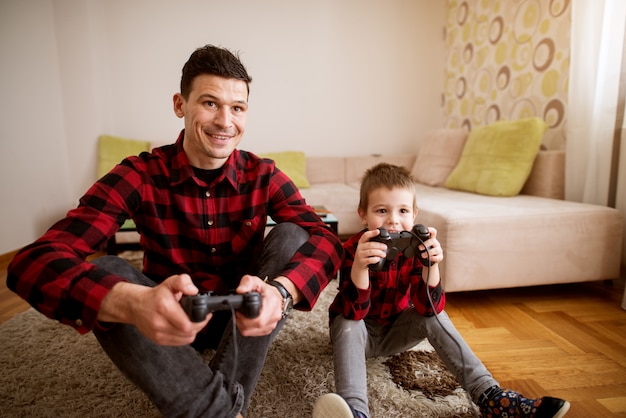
x=233 y=372
x=436 y=315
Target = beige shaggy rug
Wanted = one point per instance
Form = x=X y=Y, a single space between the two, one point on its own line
x=49 y=370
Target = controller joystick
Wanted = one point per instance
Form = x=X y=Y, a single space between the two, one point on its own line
x=405 y=242
x=197 y=307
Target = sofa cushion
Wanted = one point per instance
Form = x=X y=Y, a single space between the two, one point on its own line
x=492 y=242
x=358 y=165
x=547 y=178
x=498 y=158
x=439 y=153
x=112 y=150
x=293 y=164
x=326 y=169
x=341 y=199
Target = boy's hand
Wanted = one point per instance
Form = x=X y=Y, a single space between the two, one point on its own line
x=369 y=252
x=435 y=251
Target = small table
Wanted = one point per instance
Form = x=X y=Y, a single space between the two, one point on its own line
x=327 y=217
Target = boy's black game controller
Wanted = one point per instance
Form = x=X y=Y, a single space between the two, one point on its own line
x=197 y=307
x=405 y=242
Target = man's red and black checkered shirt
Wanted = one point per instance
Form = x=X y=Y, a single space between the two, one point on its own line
x=213 y=232
x=391 y=291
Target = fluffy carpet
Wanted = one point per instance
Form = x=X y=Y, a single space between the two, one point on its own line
x=49 y=370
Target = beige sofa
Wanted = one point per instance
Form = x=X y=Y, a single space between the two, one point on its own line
x=489 y=242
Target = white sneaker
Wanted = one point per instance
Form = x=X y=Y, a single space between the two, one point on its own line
x=332 y=405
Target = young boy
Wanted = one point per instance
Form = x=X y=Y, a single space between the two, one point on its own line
x=387 y=312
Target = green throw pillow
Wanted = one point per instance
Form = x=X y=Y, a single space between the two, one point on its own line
x=497 y=158
x=293 y=164
x=112 y=150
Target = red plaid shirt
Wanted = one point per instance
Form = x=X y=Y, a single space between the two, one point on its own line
x=391 y=291
x=214 y=232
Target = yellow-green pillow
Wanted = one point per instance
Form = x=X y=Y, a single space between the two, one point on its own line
x=497 y=158
x=112 y=150
x=293 y=164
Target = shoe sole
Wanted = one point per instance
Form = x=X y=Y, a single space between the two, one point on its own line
x=331 y=405
x=561 y=412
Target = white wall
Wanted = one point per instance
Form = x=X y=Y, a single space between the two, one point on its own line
x=330 y=77
x=34 y=162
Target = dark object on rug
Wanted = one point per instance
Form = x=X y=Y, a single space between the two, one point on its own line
x=423 y=371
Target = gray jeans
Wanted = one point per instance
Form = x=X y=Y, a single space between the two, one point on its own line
x=176 y=379
x=355 y=341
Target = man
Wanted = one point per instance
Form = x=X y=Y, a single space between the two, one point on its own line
x=201 y=206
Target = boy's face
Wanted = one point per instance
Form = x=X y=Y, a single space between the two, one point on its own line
x=393 y=209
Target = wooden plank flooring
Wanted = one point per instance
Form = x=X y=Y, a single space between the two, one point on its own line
x=10 y=303
x=566 y=341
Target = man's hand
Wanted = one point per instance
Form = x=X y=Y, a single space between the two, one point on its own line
x=271 y=308
x=155 y=311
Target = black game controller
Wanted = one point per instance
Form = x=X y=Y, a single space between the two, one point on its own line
x=197 y=307
x=405 y=242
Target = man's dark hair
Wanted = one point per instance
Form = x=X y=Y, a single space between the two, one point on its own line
x=210 y=59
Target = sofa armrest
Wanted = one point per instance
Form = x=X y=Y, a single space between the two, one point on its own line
x=547 y=177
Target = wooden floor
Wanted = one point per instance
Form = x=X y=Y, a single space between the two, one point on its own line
x=567 y=341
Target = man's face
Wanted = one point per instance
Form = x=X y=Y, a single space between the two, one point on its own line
x=215 y=119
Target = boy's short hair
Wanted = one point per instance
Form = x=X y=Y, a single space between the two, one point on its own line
x=385 y=175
